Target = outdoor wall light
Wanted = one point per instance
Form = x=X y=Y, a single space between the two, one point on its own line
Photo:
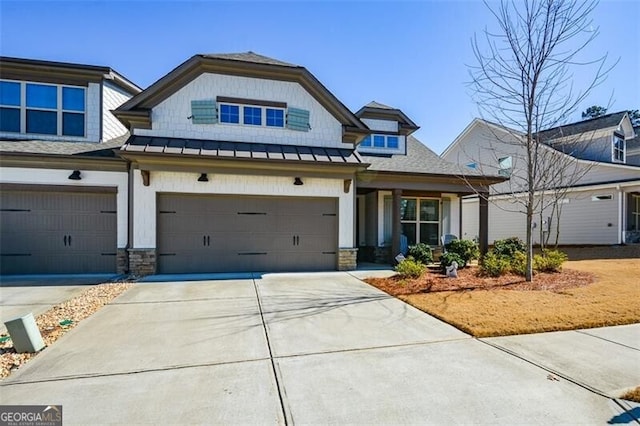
x=297 y=181
x=203 y=178
x=75 y=175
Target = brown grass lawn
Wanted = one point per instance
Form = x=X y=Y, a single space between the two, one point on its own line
x=611 y=300
x=633 y=395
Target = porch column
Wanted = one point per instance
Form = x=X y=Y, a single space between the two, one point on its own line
x=396 y=226
x=483 y=232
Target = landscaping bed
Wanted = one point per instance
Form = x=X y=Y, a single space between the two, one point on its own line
x=588 y=293
x=54 y=323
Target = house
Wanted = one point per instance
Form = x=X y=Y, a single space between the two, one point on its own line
x=633 y=148
x=63 y=192
x=591 y=197
x=240 y=162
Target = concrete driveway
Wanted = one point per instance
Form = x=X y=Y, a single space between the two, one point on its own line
x=21 y=294
x=288 y=349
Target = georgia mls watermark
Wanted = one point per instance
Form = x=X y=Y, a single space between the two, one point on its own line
x=30 y=415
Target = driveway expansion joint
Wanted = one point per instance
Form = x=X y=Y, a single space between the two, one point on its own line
x=586 y=333
x=545 y=368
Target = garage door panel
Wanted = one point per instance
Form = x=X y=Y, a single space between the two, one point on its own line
x=58 y=232
x=246 y=233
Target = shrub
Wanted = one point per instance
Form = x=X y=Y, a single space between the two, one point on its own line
x=421 y=252
x=518 y=263
x=549 y=261
x=448 y=258
x=508 y=247
x=410 y=268
x=493 y=265
x=467 y=250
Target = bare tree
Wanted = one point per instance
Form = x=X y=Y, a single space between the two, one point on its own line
x=523 y=81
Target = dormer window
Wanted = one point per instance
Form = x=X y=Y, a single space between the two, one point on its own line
x=618 y=148
x=381 y=143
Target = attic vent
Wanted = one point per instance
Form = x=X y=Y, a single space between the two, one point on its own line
x=602 y=197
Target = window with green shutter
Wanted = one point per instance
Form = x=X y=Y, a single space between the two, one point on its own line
x=204 y=112
x=298 y=119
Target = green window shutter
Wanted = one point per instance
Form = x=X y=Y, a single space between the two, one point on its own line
x=298 y=119
x=204 y=112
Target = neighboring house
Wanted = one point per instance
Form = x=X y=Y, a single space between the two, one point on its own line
x=240 y=162
x=63 y=192
x=633 y=148
x=600 y=204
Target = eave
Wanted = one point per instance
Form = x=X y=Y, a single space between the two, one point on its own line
x=54 y=161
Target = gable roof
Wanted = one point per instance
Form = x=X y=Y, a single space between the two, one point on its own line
x=137 y=110
x=376 y=110
x=65 y=72
x=590 y=125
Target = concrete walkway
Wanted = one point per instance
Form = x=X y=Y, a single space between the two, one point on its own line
x=288 y=349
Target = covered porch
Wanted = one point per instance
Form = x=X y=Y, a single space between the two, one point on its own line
x=397 y=210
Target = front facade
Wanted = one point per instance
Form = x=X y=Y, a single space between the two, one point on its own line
x=596 y=205
x=239 y=162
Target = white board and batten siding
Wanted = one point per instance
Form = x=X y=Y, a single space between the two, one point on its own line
x=144 y=222
x=170 y=117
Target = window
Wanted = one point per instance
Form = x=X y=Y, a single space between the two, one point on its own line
x=275 y=117
x=229 y=114
x=472 y=165
x=602 y=197
x=420 y=219
x=45 y=109
x=635 y=213
x=618 y=148
x=252 y=116
x=381 y=142
x=505 y=166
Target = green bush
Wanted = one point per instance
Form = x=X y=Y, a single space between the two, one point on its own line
x=410 y=268
x=467 y=250
x=421 y=252
x=493 y=265
x=508 y=247
x=448 y=258
x=518 y=263
x=549 y=261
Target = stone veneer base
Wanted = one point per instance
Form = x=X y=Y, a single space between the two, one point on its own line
x=347 y=259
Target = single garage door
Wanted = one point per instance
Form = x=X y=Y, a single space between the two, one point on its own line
x=47 y=230
x=242 y=233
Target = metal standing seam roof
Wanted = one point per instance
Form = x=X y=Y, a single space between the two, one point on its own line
x=240 y=150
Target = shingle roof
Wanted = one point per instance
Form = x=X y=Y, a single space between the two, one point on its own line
x=240 y=150
x=419 y=159
x=602 y=122
x=63 y=148
x=374 y=104
x=248 y=57
x=635 y=142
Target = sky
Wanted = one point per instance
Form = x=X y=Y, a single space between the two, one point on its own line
x=412 y=55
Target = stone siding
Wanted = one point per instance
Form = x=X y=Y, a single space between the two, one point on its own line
x=142 y=261
x=347 y=259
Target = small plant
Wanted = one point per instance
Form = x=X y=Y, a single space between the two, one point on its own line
x=421 y=252
x=410 y=268
x=518 y=263
x=493 y=265
x=549 y=261
x=467 y=250
x=508 y=247
x=448 y=258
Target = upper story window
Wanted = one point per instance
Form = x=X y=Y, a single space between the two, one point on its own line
x=229 y=114
x=505 y=165
x=251 y=115
x=275 y=117
x=618 y=147
x=380 y=141
x=45 y=109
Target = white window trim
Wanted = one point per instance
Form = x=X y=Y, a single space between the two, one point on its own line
x=614 y=149
x=635 y=213
x=58 y=110
x=263 y=115
x=418 y=221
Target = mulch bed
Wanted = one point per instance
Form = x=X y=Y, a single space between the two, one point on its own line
x=470 y=280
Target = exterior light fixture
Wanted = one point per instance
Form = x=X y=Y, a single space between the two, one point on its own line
x=75 y=175
x=297 y=181
x=203 y=178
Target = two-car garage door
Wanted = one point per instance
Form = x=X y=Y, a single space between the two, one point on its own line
x=245 y=233
x=48 y=229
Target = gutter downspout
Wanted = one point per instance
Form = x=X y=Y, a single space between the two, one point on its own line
x=129 y=212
